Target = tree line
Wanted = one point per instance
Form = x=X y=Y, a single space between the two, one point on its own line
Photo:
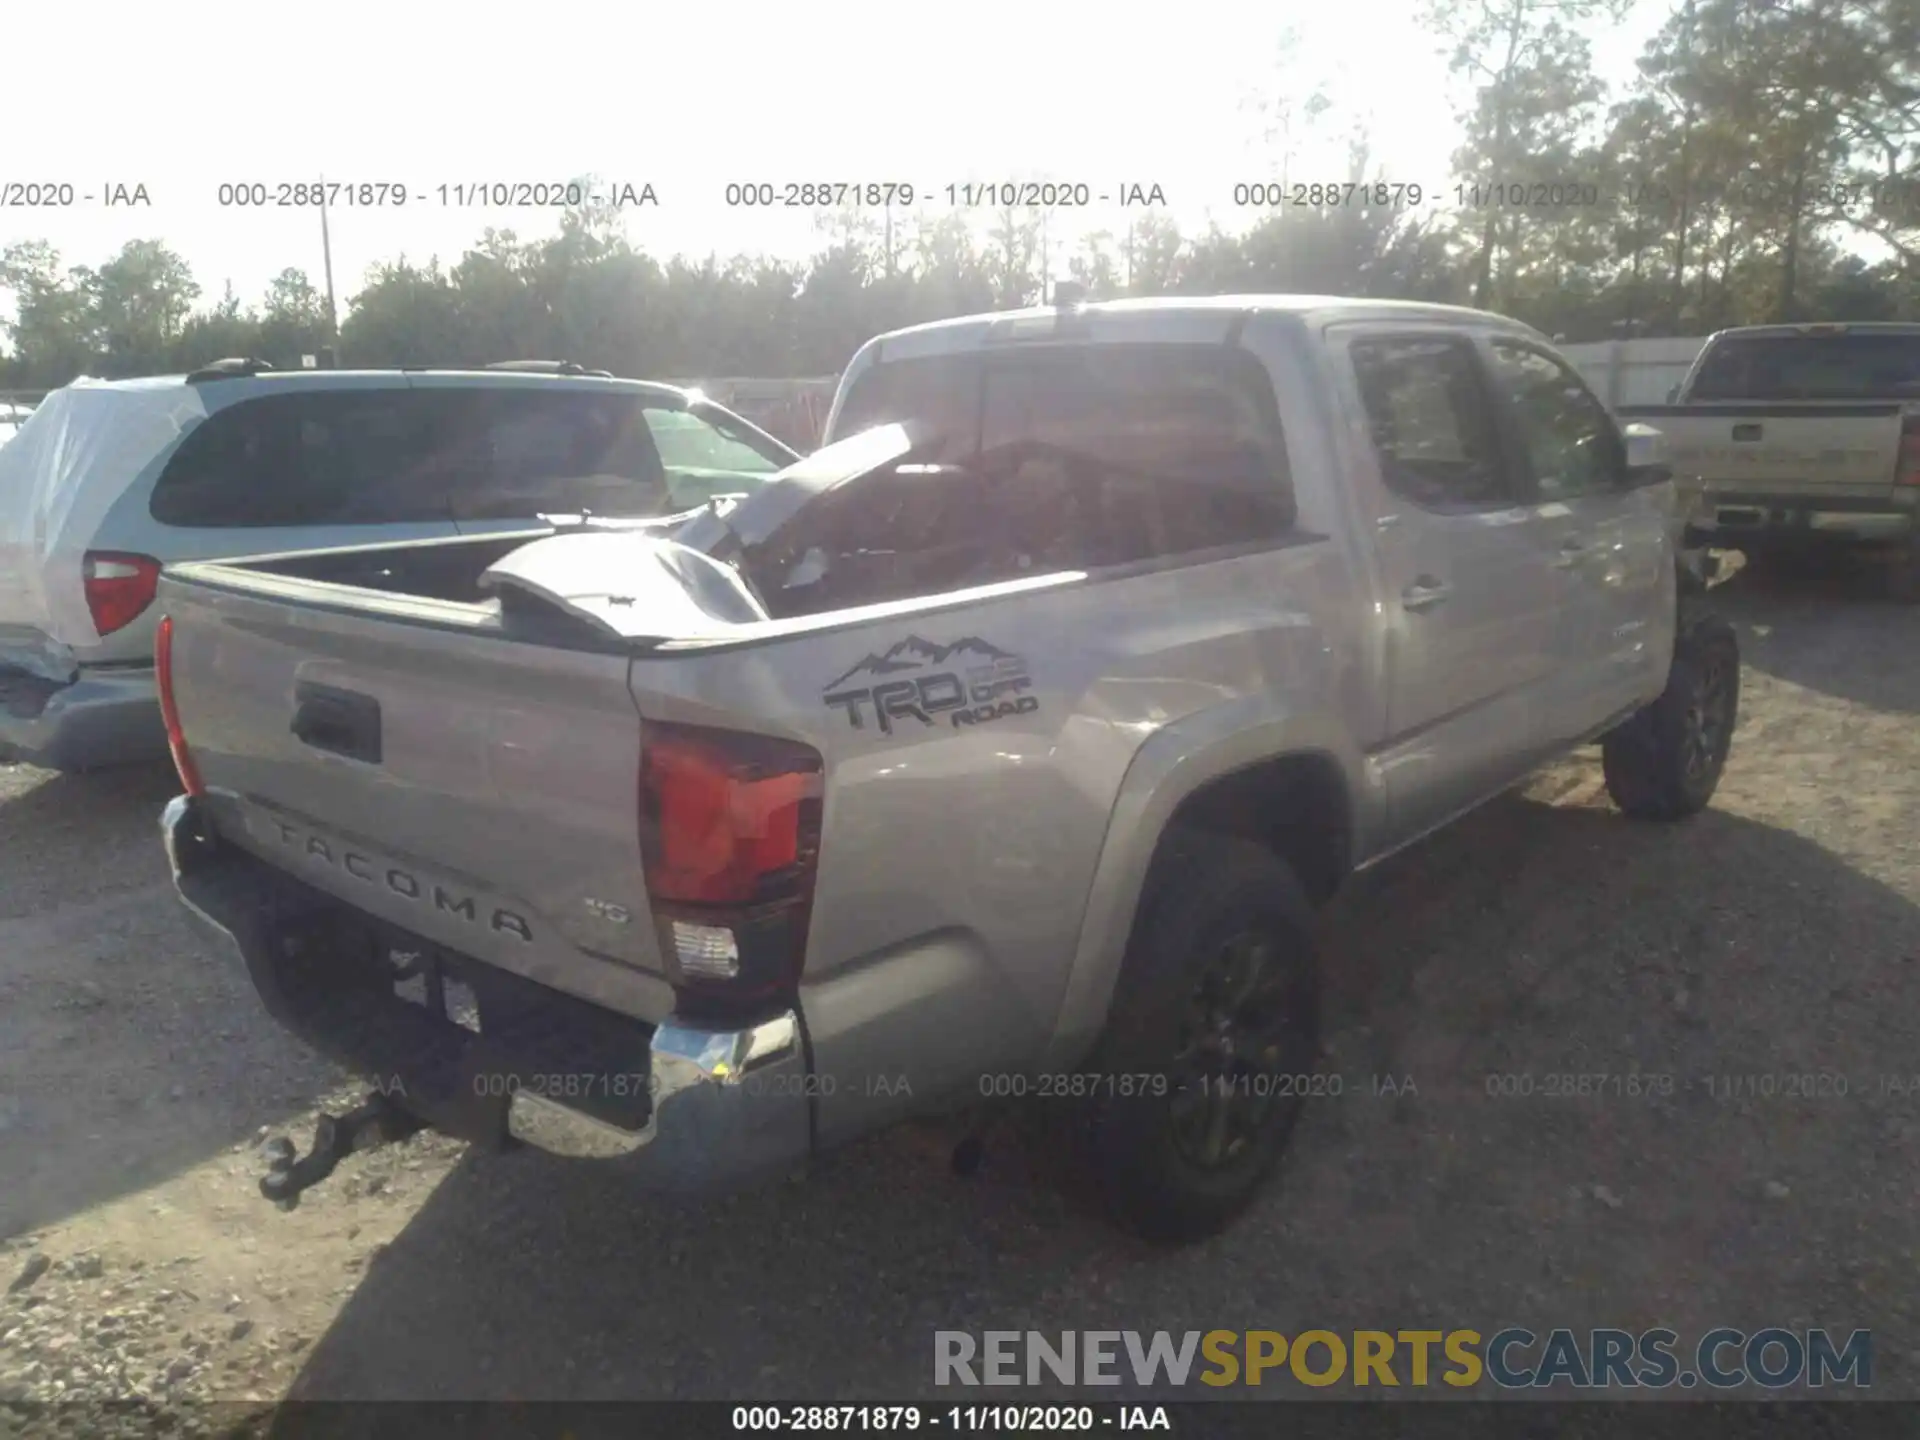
x=1758 y=148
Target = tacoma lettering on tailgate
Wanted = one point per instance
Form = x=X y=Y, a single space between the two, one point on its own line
x=403 y=883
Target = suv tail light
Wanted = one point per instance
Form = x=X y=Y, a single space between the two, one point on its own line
x=118 y=587
x=170 y=711
x=1908 y=471
x=730 y=841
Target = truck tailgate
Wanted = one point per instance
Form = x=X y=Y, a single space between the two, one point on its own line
x=1772 y=449
x=479 y=792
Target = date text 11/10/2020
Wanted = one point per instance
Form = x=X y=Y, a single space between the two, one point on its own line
x=633 y=1084
x=966 y=194
x=1853 y=194
x=1721 y=1086
x=452 y=194
x=1014 y=1419
x=1250 y=1084
x=1395 y=195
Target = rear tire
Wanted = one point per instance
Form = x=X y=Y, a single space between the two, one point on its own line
x=1214 y=1031
x=1665 y=762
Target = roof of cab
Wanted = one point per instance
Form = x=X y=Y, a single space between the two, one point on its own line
x=1311 y=309
x=1825 y=327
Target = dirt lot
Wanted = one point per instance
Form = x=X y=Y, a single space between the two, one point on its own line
x=1776 y=934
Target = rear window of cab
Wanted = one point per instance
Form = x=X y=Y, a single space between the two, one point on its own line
x=1862 y=365
x=1168 y=448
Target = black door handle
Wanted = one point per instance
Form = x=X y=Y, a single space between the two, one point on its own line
x=341 y=722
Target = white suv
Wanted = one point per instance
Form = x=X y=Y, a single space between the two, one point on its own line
x=108 y=481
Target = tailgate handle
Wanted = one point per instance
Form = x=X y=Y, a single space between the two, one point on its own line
x=341 y=722
x=1746 y=432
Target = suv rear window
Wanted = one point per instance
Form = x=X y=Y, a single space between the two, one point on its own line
x=1858 y=366
x=1153 y=449
x=389 y=456
x=285 y=460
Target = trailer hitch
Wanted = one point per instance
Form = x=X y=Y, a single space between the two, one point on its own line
x=374 y=1122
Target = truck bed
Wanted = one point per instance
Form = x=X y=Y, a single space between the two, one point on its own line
x=432 y=570
x=477 y=741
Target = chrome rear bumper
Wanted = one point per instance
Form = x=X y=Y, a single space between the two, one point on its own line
x=726 y=1103
x=1739 y=520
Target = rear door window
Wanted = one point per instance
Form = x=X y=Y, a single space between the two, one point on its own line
x=1430 y=422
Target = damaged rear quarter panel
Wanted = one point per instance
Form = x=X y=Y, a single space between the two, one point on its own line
x=974 y=755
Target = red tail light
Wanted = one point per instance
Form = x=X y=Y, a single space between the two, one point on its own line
x=170 y=712
x=118 y=587
x=730 y=841
x=1908 y=472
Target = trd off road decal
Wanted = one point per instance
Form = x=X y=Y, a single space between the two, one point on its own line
x=969 y=681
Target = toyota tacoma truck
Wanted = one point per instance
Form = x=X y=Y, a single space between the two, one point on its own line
x=1792 y=437
x=1001 y=748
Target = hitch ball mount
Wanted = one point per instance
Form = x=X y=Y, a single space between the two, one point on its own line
x=376 y=1121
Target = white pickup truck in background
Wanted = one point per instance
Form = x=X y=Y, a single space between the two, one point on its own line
x=1788 y=437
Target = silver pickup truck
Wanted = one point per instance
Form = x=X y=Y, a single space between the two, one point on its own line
x=1003 y=747
x=1790 y=437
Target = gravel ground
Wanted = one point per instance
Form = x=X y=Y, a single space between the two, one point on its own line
x=1775 y=934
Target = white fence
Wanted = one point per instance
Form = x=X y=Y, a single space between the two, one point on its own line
x=1634 y=372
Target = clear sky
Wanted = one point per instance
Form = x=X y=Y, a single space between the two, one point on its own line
x=184 y=99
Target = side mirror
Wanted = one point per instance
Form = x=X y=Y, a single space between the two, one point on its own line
x=1673 y=394
x=1645 y=446
x=1647 y=462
